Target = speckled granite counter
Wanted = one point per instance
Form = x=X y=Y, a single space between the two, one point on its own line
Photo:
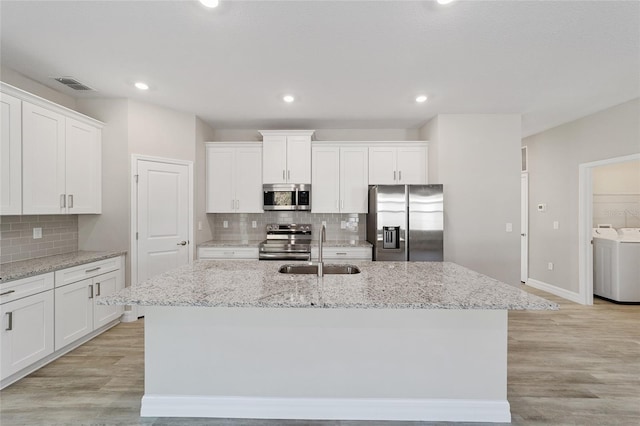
x=389 y=285
x=245 y=243
x=28 y=268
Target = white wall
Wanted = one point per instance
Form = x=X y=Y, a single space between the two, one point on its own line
x=18 y=80
x=203 y=133
x=110 y=230
x=248 y=135
x=554 y=157
x=478 y=162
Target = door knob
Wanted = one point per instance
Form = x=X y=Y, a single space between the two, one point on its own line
x=182 y=243
x=523 y=235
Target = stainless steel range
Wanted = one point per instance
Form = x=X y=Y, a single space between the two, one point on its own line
x=286 y=242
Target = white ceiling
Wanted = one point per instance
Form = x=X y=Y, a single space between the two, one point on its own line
x=350 y=64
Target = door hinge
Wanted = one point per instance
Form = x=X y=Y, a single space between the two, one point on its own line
x=136 y=178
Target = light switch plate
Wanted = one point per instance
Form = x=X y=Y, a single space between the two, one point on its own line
x=509 y=227
x=556 y=225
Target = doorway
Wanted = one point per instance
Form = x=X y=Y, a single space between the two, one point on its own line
x=524 y=227
x=161 y=216
x=585 y=223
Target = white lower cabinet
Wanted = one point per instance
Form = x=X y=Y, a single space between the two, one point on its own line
x=27 y=332
x=77 y=314
x=336 y=254
x=228 y=253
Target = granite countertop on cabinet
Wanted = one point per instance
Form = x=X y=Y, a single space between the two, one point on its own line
x=380 y=285
x=342 y=243
x=239 y=243
x=42 y=265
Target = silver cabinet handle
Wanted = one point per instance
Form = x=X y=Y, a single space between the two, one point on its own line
x=97 y=289
x=7 y=292
x=342 y=204
x=90 y=291
x=400 y=175
x=288 y=174
x=237 y=204
x=70 y=201
x=10 y=322
x=63 y=201
x=394 y=175
x=283 y=178
x=229 y=253
x=182 y=243
x=341 y=253
x=92 y=270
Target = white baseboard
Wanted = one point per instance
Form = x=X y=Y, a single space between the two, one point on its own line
x=455 y=410
x=565 y=294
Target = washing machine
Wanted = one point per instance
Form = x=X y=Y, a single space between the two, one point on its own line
x=616 y=264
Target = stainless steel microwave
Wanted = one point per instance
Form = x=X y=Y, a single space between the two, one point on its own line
x=285 y=196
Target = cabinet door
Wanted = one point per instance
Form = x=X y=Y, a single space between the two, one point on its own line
x=220 y=194
x=73 y=312
x=299 y=159
x=325 y=183
x=248 y=180
x=43 y=161
x=83 y=167
x=106 y=285
x=382 y=166
x=354 y=180
x=10 y=155
x=274 y=159
x=27 y=332
x=412 y=165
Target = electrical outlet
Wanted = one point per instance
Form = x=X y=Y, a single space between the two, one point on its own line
x=254 y=224
x=550 y=266
x=556 y=225
x=509 y=227
x=343 y=225
x=199 y=225
x=37 y=233
x=324 y=223
x=225 y=224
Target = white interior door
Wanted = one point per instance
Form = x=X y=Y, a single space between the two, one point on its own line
x=524 y=227
x=163 y=222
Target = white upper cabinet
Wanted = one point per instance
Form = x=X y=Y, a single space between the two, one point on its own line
x=234 y=177
x=10 y=155
x=286 y=156
x=61 y=157
x=340 y=179
x=400 y=165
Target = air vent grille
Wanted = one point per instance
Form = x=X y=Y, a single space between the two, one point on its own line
x=72 y=83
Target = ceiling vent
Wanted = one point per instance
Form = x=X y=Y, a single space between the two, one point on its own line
x=72 y=83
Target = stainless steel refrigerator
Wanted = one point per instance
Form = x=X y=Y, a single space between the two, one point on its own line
x=406 y=222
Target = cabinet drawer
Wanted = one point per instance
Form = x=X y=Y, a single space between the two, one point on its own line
x=248 y=253
x=347 y=253
x=87 y=270
x=14 y=290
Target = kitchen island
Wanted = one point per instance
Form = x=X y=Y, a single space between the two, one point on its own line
x=399 y=341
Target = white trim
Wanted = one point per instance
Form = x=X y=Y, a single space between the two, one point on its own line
x=526 y=159
x=287 y=132
x=456 y=410
x=585 y=224
x=51 y=106
x=134 y=211
x=565 y=294
x=400 y=144
x=129 y=316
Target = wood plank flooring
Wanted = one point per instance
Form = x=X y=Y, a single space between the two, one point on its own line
x=576 y=366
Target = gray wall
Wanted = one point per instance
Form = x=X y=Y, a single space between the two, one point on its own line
x=203 y=133
x=554 y=157
x=478 y=162
x=249 y=135
x=18 y=80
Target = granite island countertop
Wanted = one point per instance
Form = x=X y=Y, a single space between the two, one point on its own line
x=380 y=285
x=42 y=265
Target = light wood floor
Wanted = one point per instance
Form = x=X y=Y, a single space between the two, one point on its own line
x=576 y=366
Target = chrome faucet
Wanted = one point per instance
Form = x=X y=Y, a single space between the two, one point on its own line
x=323 y=238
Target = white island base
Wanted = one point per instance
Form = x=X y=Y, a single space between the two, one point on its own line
x=315 y=363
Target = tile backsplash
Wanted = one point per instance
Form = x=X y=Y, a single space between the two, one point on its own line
x=240 y=225
x=59 y=235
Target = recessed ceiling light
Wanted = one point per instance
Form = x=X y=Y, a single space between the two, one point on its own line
x=288 y=98
x=142 y=86
x=421 y=98
x=445 y=1
x=210 y=3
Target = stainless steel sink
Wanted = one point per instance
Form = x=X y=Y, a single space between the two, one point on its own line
x=313 y=269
